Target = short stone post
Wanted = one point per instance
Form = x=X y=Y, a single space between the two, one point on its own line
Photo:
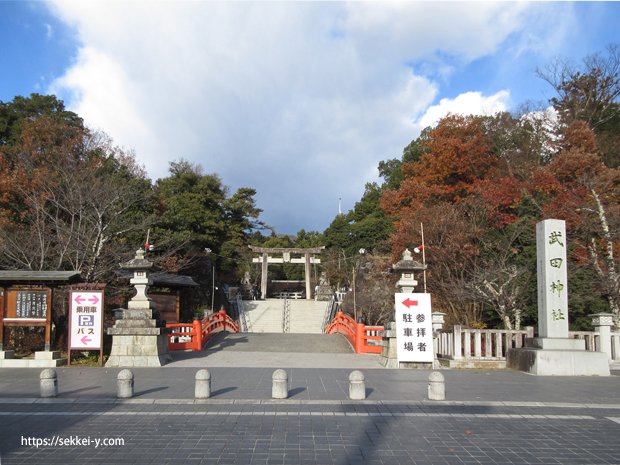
x=436 y=386
x=124 y=384
x=203 y=384
x=457 y=342
x=438 y=320
x=357 y=385
x=602 y=323
x=48 y=383
x=279 y=389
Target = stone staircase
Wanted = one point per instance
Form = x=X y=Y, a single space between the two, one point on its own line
x=306 y=316
x=265 y=316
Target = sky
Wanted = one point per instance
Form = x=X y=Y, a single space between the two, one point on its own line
x=298 y=100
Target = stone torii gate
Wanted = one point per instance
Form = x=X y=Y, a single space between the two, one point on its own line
x=307 y=259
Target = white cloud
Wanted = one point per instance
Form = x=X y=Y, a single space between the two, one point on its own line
x=469 y=103
x=49 y=31
x=298 y=100
x=102 y=93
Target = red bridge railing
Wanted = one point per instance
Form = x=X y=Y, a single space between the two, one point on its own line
x=199 y=331
x=358 y=334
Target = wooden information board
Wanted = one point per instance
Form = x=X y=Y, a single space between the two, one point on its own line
x=28 y=303
x=31 y=304
x=27 y=307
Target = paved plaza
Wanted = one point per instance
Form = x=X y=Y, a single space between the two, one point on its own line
x=488 y=417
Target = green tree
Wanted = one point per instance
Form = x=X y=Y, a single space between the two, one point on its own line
x=13 y=114
x=392 y=170
x=241 y=219
x=191 y=214
x=195 y=213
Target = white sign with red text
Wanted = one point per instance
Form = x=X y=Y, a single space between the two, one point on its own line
x=414 y=327
x=86 y=320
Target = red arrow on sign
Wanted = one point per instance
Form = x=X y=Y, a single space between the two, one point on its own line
x=85 y=340
x=79 y=299
x=94 y=299
x=410 y=303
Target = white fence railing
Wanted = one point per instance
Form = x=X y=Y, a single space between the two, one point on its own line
x=480 y=344
x=491 y=344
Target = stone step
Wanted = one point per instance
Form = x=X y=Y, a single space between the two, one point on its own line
x=134 y=331
x=127 y=323
x=141 y=314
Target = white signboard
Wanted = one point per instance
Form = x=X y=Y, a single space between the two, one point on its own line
x=414 y=327
x=86 y=320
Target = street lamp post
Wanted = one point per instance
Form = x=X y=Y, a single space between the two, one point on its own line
x=208 y=252
x=213 y=290
x=361 y=252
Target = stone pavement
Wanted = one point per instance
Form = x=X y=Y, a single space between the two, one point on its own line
x=489 y=417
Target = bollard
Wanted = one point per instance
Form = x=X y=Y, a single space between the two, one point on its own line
x=203 y=384
x=357 y=385
x=124 y=384
x=48 y=383
x=279 y=389
x=436 y=386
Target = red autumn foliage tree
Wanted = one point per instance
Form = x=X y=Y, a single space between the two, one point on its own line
x=468 y=184
x=73 y=196
x=586 y=193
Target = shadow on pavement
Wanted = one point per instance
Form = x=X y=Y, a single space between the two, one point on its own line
x=74 y=391
x=149 y=391
x=221 y=341
x=219 y=392
x=293 y=392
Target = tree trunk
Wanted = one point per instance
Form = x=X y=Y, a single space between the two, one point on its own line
x=610 y=275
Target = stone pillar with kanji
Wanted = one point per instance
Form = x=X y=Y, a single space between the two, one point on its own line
x=553 y=352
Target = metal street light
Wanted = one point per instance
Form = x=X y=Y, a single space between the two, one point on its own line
x=361 y=252
x=208 y=252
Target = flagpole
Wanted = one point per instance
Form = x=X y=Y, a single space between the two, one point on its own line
x=423 y=256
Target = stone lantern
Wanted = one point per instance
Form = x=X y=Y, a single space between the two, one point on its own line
x=406 y=267
x=406 y=284
x=140 y=266
x=138 y=336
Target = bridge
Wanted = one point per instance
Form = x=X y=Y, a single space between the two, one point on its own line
x=273 y=329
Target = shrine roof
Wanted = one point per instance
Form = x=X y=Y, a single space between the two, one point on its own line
x=164 y=279
x=21 y=276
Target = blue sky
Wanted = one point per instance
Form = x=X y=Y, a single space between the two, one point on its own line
x=297 y=100
x=35 y=48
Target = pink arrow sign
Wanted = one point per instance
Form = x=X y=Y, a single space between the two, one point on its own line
x=79 y=299
x=93 y=300
x=85 y=340
x=410 y=303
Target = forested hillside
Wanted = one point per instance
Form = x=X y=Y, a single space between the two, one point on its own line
x=479 y=184
x=71 y=199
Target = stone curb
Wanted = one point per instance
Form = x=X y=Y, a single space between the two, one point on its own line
x=38 y=400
